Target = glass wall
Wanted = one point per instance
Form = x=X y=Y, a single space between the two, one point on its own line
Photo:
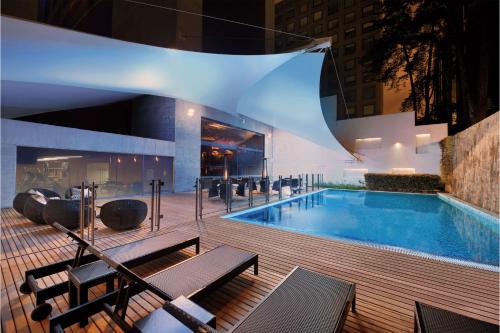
x=244 y=150
x=117 y=175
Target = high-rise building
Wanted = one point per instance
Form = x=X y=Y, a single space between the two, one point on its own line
x=350 y=25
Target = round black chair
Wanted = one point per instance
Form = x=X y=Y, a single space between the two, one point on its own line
x=33 y=208
x=64 y=212
x=19 y=201
x=123 y=214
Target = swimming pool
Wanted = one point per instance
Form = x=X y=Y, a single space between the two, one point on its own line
x=412 y=223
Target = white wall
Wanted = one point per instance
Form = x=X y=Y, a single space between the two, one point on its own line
x=20 y=133
x=396 y=144
x=293 y=155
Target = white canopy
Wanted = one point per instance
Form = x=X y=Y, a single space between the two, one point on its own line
x=281 y=90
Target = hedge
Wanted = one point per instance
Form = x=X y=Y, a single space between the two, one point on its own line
x=403 y=183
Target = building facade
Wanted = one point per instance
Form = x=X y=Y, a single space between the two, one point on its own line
x=350 y=24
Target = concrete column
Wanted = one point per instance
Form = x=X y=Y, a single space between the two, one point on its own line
x=187 y=145
x=8 y=187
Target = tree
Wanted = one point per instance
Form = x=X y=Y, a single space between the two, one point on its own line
x=436 y=45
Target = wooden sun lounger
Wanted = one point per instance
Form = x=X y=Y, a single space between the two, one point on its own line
x=85 y=271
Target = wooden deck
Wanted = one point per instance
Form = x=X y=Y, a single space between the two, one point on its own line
x=388 y=283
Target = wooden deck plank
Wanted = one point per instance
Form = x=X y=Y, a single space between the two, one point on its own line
x=388 y=283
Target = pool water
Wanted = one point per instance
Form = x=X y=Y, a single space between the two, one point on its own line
x=418 y=223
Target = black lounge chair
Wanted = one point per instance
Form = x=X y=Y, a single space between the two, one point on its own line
x=19 y=201
x=429 y=319
x=86 y=271
x=192 y=278
x=305 y=301
x=33 y=208
x=123 y=214
x=65 y=212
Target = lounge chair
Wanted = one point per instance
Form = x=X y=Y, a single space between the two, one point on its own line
x=305 y=301
x=192 y=278
x=85 y=271
x=429 y=319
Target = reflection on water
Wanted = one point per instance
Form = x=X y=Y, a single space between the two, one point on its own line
x=422 y=223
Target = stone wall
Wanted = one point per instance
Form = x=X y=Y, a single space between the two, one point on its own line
x=470 y=164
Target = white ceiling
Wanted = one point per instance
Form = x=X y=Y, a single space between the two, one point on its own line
x=26 y=98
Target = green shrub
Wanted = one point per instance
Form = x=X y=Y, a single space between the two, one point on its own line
x=403 y=183
x=343 y=186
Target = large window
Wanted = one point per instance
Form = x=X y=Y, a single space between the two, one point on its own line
x=116 y=174
x=244 y=150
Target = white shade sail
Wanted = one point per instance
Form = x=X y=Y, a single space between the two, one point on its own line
x=281 y=90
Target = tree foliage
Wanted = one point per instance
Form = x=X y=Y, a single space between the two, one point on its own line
x=446 y=51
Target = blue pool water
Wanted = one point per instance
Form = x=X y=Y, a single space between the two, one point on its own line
x=422 y=223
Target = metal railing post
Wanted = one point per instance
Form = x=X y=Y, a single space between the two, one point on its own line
x=196 y=199
x=159 y=216
x=82 y=210
x=152 y=208
x=250 y=186
x=92 y=214
x=280 y=193
x=312 y=181
x=200 y=199
x=230 y=195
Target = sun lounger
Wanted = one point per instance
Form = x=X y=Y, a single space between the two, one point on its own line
x=429 y=319
x=192 y=278
x=305 y=301
x=84 y=271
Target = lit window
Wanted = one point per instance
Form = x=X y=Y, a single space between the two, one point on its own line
x=332 y=24
x=290 y=27
x=350 y=33
x=348 y=3
x=350 y=48
x=369 y=92
x=350 y=80
x=317 y=15
x=303 y=21
x=350 y=64
x=368 y=26
x=303 y=8
x=368 y=10
x=368 y=109
x=318 y=29
x=348 y=18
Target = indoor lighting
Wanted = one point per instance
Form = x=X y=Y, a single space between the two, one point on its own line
x=218 y=126
x=135 y=159
x=398 y=145
x=119 y=160
x=56 y=158
x=190 y=112
x=422 y=135
x=269 y=135
x=157 y=159
x=369 y=139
